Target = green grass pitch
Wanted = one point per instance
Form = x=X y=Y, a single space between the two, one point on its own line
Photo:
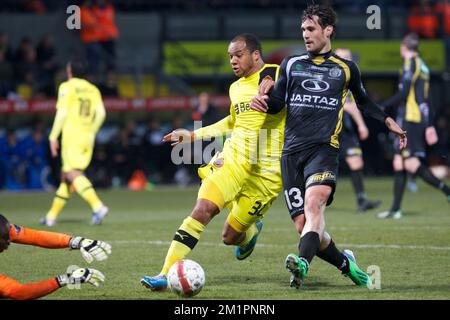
x=413 y=254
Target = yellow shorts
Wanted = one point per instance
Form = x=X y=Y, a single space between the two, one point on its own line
x=76 y=155
x=246 y=195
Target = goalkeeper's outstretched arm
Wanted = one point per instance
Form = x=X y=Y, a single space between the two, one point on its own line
x=12 y=289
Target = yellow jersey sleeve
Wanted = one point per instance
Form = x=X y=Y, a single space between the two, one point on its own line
x=220 y=128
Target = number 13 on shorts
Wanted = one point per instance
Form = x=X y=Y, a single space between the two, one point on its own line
x=294 y=199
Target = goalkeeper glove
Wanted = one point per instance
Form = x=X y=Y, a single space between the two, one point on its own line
x=91 y=249
x=81 y=275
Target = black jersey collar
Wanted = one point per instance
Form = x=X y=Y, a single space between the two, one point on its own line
x=325 y=55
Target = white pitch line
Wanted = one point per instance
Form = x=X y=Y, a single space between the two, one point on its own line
x=264 y=245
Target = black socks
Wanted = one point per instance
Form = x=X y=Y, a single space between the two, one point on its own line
x=309 y=245
x=333 y=256
x=358 y=184
x=399 y=189
x=429 y=178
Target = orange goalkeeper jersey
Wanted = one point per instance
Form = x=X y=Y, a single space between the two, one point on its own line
x=10 y=288
x=44 y=239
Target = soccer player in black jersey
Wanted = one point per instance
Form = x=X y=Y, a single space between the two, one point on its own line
x=350 y=148
x=314 y=87
x=415 y=113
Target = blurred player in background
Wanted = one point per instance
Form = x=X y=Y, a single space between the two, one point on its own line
x=412 y=101
x=313 y=87
x=90 y=250
x=79 y=115
x=349 y=145
x=247 y=187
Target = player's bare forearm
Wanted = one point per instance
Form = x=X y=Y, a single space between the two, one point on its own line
x=396 y=129
x=179 y=136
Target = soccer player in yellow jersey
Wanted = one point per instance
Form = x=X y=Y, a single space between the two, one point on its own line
x=248 y=178
x=79 y=115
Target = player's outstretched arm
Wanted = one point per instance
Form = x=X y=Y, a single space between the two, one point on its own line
x=369 y=107
x=91 y=249
x=11 y=289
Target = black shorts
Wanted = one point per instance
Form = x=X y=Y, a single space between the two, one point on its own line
x=416 y=144
x=303 y=169
x=349 y=144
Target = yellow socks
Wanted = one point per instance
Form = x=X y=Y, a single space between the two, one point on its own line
x=183 y=242
x=85 y=189
x=61 y=197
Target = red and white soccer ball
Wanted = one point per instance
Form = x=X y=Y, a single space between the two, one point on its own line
x=186 y=278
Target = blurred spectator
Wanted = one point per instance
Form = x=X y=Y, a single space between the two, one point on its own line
x=108 y=88
x=423 y=20
x=46 y=58
x=108 y=32
x=36 y=151
x=124 y=152
x=12 y=162
x=153 y=145
x=89 y=34
x=99 y=34
x=5 y=47
x=25 y=46
x=6 y=75
x=205 y=111
x=27 y=74
x=443 y=8
x=35 y=6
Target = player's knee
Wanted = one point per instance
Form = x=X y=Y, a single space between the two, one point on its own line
x=72 y=175
x=316 y=201
x=397 y=164
x=355 y=163
x=412 y=164
x=204 y=211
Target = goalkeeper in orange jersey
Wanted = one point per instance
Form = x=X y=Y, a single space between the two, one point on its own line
x=90 y=250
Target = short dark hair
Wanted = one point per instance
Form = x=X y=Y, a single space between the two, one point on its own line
x=4 y=227
x=411 y=41
x=79 y=67
x=327 y=16
x=251 y=42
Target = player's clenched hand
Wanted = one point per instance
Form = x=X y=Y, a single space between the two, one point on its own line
x=258 y=103
x=179 y=136
x=395 y=128
x=431 y=136
x=91 y=249
x=266 y=85
x=81 y=275
x=54 y=147
x=363 y=132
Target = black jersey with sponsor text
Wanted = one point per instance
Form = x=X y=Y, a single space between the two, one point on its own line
x=314 y=89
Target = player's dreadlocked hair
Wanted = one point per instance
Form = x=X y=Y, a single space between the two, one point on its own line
x=411 y=41
x=251 y=41
x=327 y=16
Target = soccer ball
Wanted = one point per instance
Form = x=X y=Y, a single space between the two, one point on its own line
x=186 y=278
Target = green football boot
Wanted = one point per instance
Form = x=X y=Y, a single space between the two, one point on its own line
x=299 y=269
x=359 y=277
